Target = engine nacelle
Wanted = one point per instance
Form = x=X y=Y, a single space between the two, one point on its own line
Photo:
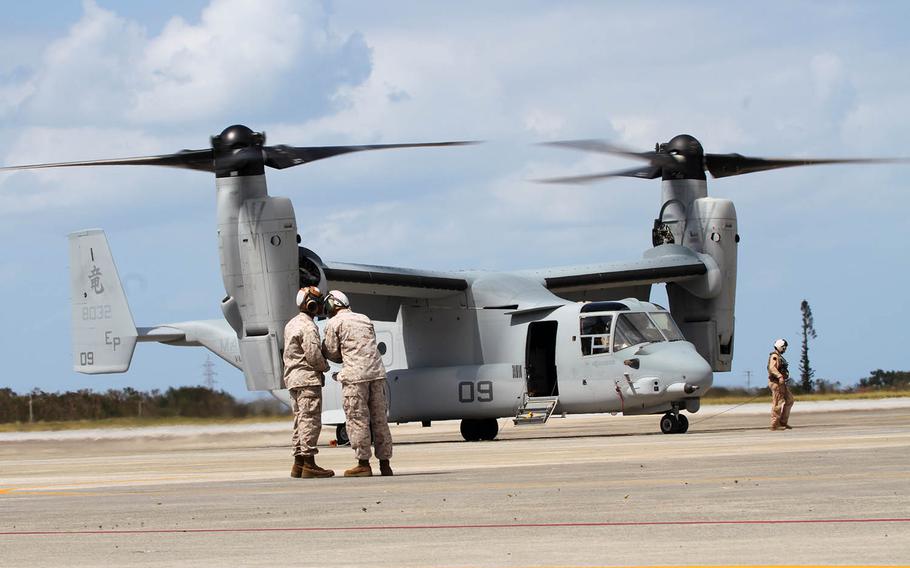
x=703 y=308
x=260 y=269
x=267 y=238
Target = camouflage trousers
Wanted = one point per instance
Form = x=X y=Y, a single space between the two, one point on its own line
x=306 y=402
x=366 y=410
x=781 y=401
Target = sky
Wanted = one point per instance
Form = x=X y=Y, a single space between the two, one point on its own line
x=103 y=79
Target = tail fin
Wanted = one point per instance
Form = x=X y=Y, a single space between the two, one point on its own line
x=104 y=334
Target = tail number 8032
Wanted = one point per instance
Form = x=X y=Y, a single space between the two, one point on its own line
x=481 y=391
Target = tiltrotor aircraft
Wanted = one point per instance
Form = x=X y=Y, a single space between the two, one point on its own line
x=474 y=346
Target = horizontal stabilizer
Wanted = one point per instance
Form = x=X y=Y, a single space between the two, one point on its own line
x=103 y=332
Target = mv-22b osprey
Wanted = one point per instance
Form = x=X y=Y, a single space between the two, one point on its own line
x=470 y=345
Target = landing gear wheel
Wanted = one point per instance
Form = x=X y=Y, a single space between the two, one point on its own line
x=474 y=430
x=682 y=424
x=341 y=435
x=669 y=424
x=470 y=430
x=488 y=429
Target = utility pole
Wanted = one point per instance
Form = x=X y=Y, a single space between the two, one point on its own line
x=31 y=414
x=748 y=380
x=209 y=374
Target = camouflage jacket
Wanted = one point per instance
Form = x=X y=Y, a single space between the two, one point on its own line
x=351 y=340
x=304 y=363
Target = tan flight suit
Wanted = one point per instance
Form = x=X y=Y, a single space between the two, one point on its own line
x=351 y=340
x=304 y=365
x=781 y=399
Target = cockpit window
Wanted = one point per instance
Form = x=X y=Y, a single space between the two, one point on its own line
x=595 y=334
x=635 y=328
x=667 y=326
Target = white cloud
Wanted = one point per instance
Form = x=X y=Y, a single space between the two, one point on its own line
x=12 y=95
x=828 y=75
x=544 y=123
x=241 y=58
x=87 y=74
x=238 y=50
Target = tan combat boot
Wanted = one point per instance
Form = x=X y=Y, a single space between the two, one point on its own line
x=310 y=469
x=297 y=468
x=362 y=469
x=384 y=468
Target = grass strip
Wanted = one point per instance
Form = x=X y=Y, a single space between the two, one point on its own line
x=134 y=423
x=871 y=395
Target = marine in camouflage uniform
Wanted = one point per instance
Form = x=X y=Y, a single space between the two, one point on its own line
x=781 y=399
x=304 y=365
x=351 y=340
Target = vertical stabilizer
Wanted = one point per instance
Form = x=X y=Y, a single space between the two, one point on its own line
x=103 y=331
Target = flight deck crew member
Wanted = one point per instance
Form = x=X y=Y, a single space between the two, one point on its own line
x=778 y=375
x=304 y=365
x=351 y=340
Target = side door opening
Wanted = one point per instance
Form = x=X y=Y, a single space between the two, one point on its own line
x=540 y=359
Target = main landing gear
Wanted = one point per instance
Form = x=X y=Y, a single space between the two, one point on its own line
x=674 y=423
x=473 y=430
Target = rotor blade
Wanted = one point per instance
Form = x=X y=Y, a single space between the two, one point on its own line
x=280 y=157
x=647 y=172
x=189 y=159
x=607 y=148
x=725 y=165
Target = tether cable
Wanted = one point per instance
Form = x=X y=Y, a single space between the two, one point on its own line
x=693 y=422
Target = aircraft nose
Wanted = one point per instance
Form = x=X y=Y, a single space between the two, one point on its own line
x=699 y=373
x=679 y=361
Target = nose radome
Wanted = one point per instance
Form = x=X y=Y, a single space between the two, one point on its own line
x=700 y=374
x=677 y=360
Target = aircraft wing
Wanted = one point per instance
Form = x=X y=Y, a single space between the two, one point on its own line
x=389 y=281
x=610 y=281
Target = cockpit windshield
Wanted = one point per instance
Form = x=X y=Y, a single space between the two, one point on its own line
x=635 y=328
x=628 y=329
x=667 y=326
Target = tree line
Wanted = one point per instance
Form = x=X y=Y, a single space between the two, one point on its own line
x=877 y=380
x=195 y=402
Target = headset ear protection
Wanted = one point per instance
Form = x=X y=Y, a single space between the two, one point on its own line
x=336 y=300
x=309 y=299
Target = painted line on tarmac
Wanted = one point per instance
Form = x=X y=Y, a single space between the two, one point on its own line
x=462 y=526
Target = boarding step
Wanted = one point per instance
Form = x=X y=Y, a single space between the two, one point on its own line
x=535 y=410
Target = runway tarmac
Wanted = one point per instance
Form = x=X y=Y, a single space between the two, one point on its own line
x=593 y=490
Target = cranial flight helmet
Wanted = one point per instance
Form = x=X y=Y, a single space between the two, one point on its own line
x=336 y=300
x=309 y=300
x=781 y=345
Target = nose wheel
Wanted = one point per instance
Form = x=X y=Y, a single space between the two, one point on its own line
x=671 y=423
